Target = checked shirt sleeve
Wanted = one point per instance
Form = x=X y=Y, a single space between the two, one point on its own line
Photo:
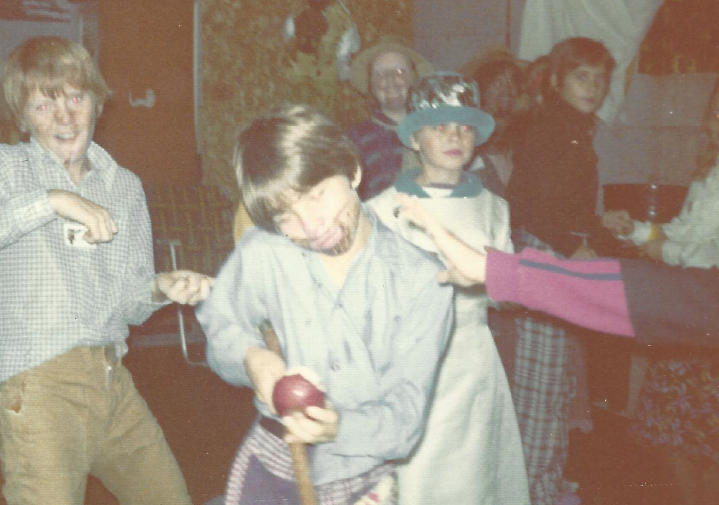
x=21 y=211
x=139 y=270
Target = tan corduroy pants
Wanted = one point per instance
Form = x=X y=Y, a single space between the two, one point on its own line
x=77 y=415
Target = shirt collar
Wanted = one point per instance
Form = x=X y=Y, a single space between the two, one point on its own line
x=469 y=185
x=101 y=163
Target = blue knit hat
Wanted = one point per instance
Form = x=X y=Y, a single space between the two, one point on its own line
x=441 y=98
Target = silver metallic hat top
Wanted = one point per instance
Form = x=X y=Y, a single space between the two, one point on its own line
x=443 y=89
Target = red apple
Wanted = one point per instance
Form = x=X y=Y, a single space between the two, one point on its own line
x=298 y=389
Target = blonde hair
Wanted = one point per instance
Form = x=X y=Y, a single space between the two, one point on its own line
x=291 y=149
x=49 y=64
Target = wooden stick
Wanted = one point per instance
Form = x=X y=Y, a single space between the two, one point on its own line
x=298 y=451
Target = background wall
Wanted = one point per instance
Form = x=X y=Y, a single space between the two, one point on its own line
x=146 y=58
x=451 y=32
x=247 y=67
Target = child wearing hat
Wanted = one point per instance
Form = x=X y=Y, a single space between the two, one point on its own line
x=384 y=73
x=471 y=450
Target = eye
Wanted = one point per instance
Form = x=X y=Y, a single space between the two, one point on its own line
x=76 y=100
x=41 y=107
x=440 y=128
x=467 y=128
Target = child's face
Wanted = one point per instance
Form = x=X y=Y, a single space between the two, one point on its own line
x=584 y=88
x=63 y=125
x=446 y=147
x=325 y=218
x=501 y=95
x=390 y=79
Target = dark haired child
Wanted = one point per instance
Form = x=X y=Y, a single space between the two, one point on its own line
x=501 y=84
x=348 y=298
x=552 y=196
x=471 y=451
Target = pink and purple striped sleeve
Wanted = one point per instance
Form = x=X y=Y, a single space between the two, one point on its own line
x=587 y=293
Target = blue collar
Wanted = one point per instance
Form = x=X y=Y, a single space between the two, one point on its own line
x=469 y=186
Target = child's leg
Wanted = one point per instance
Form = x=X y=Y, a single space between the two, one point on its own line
x=249 y=479
x=541 y=392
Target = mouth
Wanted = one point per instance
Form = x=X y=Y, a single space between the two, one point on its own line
x=327 y=240
x=66 y=137
x=454 y=153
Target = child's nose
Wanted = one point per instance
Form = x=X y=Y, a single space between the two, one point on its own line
x=597 y=84
x=61 y=114
x=454 y=131
x=312 y=223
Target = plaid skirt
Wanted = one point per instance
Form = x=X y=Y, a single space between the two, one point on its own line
x=262 y=474
x=542 y=389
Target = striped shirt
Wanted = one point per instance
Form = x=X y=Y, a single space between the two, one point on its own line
x=381 y=152
x=56 y=291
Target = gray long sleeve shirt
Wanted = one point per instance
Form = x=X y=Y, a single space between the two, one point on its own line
x=376 y=343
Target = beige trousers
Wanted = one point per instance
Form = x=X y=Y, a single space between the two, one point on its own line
x=80 y=414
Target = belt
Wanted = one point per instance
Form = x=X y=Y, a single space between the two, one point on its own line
x=273 y=426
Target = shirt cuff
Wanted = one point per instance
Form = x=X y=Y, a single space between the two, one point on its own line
x=671 y=252
x=642 y=232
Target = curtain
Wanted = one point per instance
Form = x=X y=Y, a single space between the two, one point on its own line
x=619 y=24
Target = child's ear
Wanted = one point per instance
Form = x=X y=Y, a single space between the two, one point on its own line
x=413 y=140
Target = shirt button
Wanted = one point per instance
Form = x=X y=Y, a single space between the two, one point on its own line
x=335 y=367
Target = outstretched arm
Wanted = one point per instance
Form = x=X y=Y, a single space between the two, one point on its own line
x=655 y=303
x=587 y=293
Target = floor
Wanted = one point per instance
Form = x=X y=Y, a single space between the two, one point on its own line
x=204 y=420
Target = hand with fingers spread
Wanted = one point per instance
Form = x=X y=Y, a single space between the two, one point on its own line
x=465 y=265
x=101 y=226
x=181 y=286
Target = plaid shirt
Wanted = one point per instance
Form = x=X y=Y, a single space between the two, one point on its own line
x=54 y=294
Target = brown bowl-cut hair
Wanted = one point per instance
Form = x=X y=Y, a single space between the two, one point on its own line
x=49 y=64
x=286 y=153
x=574 y=52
